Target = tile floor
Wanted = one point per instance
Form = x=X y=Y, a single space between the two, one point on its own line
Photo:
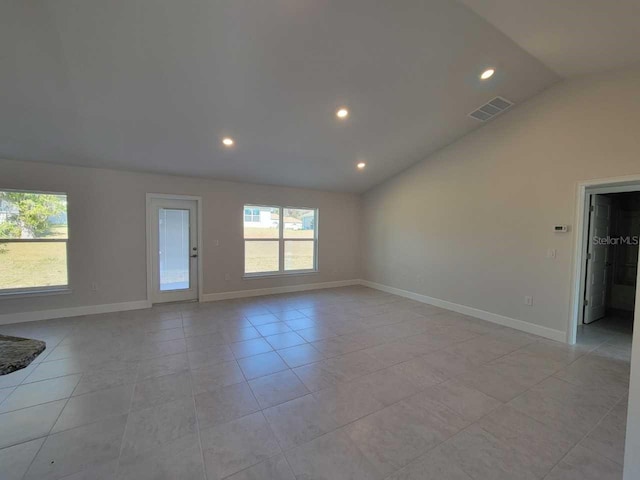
x=348 y=383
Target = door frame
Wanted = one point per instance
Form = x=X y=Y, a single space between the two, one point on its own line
x=632 y=441
x=585 y=189
x=149 y=223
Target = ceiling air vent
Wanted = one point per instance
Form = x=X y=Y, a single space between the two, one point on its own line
x=491 y=109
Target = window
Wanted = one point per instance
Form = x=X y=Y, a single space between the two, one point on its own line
x=33 y=241
x=279 y=240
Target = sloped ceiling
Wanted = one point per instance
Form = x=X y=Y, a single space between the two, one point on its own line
x=572 y=37
x=153 y=85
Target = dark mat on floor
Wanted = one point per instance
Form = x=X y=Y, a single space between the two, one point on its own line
x=17 y=353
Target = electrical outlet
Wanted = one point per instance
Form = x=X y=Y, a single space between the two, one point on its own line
x=94 y=287
x=552 y=253
x=528 y=301
x=227 y=277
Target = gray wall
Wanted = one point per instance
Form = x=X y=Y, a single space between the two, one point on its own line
x=107 y=242
x=472 y=224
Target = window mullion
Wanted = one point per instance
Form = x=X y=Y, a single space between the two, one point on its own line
x=281 y=243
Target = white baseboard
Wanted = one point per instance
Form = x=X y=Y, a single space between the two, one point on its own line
x=71 y=312
x=546 y=332
x=258 y=292
x=121 y=307
x=528 y=327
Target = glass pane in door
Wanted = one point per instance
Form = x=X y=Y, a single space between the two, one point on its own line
x=173 y=245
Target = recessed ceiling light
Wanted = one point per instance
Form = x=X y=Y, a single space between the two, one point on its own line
x=361 y=165
x=342 y=113
x=487 y=74
x=227 y=142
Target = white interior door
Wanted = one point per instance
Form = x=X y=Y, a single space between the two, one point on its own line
x=598 y=259
x=174 y=250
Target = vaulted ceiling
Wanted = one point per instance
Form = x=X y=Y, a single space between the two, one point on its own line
x=154 y=85
x=572 y=37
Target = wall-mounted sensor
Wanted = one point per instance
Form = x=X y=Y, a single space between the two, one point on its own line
x=561 y=228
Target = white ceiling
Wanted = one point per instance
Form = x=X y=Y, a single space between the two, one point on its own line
x=573 y=37
x=152 y=85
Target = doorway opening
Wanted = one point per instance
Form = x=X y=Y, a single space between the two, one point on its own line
x=606 y=258
x=174 y=272
x=611 y=263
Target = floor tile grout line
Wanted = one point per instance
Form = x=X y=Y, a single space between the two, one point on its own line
x=505 y=404
x=343 y=427
x=581 y=440
x=40 y=363
x=312 y=345
x=195 y=413
x=538 y=421
x=124 y=433
x=350 y=352
x=615 y=404
x=473 y=423
x=46 y=437
x=538 y=383
x=524 y=391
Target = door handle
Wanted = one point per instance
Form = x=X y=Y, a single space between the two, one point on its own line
x=194 y=256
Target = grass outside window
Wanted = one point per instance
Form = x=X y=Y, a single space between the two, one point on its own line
x=33 y=242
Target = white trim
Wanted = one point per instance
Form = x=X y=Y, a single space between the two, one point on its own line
x=626 y=188
x=258 y=292
x=35 y=292
x=72 y=312
x=473 y=312
x=140 y=304
x=632 y=443
x=288 y=273
x=168 y=196
x=630 y=183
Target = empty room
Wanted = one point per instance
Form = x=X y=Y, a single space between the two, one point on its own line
x=319 y=240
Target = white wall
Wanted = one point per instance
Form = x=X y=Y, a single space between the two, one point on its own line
x=472 y=223
x=107 y=242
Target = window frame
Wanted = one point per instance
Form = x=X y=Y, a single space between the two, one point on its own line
x=45 y=289
x=281 y=244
